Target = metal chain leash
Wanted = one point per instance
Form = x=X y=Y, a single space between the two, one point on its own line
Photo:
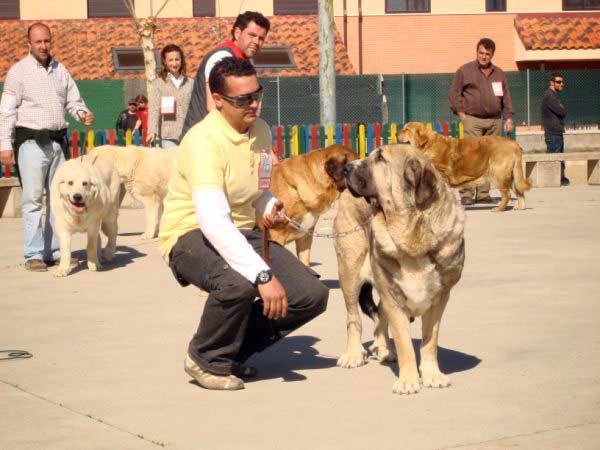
x=331 y=235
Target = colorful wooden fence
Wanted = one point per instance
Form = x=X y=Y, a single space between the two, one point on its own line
x=288 y=140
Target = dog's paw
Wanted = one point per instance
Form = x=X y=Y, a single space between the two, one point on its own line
x=382 y=353
x=93 y=266
x=62 y=271
x=433 y=377
x=107 y=254
x=407 y=385
x=353 y=358
x=498 y=209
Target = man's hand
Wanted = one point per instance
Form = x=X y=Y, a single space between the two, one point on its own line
x=461 y=115
x=274 y=299
x=276 y=217
x=7 y=158
x=88 y=118
x=508 y=126
x=150 y=138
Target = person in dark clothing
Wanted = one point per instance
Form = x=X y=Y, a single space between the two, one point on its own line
x=248 y=35
x=553 y=121
x=128 y=119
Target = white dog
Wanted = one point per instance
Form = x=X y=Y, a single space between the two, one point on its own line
x=144 y=173
x=85 y=196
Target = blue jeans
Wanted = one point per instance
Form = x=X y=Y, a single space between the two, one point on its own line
x=37 y=164
x=556 y=144
x=167 y=143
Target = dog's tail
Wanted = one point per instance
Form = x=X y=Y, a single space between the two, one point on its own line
x=521 y=184
x=366 y=302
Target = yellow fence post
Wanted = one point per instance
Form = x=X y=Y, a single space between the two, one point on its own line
x=461 y=130
x=330 y=140
x=295 y=143
x=429 y=126
x=393 y=133
x=90 y=139
x=362 y=142
x=128 y=137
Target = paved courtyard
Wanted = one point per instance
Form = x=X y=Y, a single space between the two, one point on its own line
x=520 y=340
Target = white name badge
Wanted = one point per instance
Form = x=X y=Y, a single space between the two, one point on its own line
x=167 y=105
x=497 y=88
x=265 y=167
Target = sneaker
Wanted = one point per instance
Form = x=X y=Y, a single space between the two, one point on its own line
x=466 y=201
x=565 y=182
x=210 y=381
x=36 y=265
x=486 y=200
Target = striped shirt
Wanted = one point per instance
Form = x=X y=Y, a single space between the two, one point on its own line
x=37 y=97
x=475 y=94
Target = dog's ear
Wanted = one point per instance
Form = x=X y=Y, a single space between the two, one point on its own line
x=335 y=168
x=422 y=182
x=421 y=137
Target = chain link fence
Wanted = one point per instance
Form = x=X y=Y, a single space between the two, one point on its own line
x=422 y=98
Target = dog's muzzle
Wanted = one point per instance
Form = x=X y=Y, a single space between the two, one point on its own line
x=77 y=203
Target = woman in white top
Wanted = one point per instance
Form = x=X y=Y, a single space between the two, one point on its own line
x=170 y=95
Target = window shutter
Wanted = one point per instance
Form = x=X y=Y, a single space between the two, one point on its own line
x=295 y=7
x=107 y=8
x=9 y=9
x=204 y=8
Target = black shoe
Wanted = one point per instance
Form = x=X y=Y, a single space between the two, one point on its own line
x=565 y=182
x=486 y=200
x=242 y=371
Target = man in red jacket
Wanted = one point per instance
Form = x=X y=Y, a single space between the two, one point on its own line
x=248 y=35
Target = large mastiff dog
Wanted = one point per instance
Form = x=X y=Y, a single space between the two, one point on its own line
x=308 y=185
x=145 y=174
x=410 y=245
x=85 y=197
x=469 y=161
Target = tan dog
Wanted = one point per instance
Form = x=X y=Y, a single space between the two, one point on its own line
x=308 y=185
x=85 y=196
x=466 y=162
x=145 y=174
x=410 y=245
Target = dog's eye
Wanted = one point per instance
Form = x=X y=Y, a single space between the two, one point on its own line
x=379 y=157
x=70 y=183
x=85 y=183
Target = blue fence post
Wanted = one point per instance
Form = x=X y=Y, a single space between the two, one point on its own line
x=338 y=134
x=370 y=136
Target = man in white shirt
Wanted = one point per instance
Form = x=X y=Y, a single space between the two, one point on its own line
x=37 y=92
x=209 y=238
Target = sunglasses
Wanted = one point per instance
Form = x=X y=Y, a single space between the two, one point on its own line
x=558 y=81
x=243 y=101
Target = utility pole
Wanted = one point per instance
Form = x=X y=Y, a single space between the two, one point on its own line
x=326 y=63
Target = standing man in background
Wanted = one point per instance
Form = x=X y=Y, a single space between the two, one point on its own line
x=553 y=121
x=479 y=95
x=37 y=93
x=248 y=35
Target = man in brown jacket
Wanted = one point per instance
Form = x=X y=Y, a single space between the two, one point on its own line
x=479 y=95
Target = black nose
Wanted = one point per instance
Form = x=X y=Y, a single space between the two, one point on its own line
x=77 y=198
x=347 y=169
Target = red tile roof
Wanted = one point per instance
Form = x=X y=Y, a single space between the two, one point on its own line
x=85 y=45
x=559 y=31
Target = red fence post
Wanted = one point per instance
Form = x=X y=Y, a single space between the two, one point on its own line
x=314 y=137
x=112 y=138
x=7 y=172
x=445 y=128
x=279 y=141
x=377 y=131
x=346 y=136
x=75 y=144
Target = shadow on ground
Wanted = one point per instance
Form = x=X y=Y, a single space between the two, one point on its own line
x=289 y=355
x=123 y=256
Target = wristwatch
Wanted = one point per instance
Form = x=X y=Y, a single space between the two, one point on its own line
x=263 y=277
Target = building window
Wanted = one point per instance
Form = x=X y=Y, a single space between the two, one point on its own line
x=9 y=9
x=407 y=6
x=204 y=8
x=274 y=58
x=495 y=5
x=295 y=7
x=581 y=5
x=107 y=8
x=131 y=59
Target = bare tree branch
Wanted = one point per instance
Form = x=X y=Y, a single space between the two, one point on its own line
x=161 y=8
x=130 y=7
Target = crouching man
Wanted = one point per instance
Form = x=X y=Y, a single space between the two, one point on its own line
x=208 y=236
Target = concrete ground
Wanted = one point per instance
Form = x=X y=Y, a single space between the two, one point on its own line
x=520 y=340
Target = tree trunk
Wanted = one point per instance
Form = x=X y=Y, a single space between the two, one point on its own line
x=146 y=28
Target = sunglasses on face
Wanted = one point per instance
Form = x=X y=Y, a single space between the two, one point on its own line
x=559 y=81
x=243 y=101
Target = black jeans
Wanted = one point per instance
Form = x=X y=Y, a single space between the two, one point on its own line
x=555 y=144
x=232 y=326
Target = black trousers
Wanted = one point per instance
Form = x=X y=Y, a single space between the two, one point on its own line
x=232 y=326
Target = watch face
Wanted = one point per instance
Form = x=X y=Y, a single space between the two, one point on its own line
x=263 y=276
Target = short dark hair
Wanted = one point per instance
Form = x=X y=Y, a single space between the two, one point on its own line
x=228 y=67
x=163 y=54
x=556 y=75
x=488 y=44
x=244 y=19
x=36 y=25
x=141 y=99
